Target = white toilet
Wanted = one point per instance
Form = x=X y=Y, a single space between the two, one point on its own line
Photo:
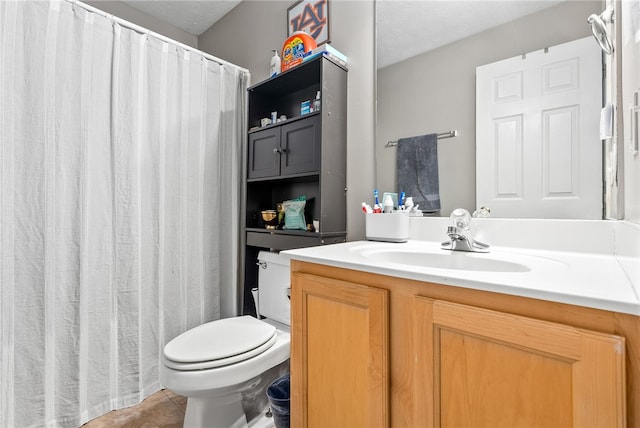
x=224 y=367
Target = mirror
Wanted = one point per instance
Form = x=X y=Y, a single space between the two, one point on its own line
x=434 y=92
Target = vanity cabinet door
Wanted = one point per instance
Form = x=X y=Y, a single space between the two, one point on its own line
x=486 y=369
x=339 y=353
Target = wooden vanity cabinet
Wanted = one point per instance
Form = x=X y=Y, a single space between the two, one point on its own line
x=455 y=357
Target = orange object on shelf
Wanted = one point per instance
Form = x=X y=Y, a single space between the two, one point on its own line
x=295 y=48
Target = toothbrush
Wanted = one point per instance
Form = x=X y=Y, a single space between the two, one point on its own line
x=376 y=206
x=401 y=201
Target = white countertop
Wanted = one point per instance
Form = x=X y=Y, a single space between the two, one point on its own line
x=594 y=280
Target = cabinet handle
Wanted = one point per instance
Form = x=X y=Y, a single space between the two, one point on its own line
x=279 y=150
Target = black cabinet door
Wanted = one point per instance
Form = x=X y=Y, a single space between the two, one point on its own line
x=300 y=144
x=264 y=153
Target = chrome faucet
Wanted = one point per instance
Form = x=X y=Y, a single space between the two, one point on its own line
x=460 y=234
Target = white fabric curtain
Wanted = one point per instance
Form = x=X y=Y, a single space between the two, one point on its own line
x=120 y=173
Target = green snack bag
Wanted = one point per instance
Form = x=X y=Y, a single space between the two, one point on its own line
x=294 y=214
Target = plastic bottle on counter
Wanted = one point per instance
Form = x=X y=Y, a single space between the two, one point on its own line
x=408 y=203
x=387 y=204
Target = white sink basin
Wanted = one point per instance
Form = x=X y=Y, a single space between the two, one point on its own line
x=432 y=257
x=449 y=260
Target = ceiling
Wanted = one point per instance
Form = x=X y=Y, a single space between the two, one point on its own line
x=404 y=28
x=408 y=28
x=194 y=17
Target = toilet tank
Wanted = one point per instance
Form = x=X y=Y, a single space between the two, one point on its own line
x=274 y=284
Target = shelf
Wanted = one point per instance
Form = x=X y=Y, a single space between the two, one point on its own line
x=305 y=177
x=288 y=239
x=291 y=232
x=303 y=75
x=280 y=231
x=293 y=78
x=284 y=122
x=310 y=160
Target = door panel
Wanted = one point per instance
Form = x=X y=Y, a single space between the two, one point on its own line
x=264 y=159
x=339 y=354
x=494 y=369
x=301 y=145
x=489 y=380
x=538 y=150
x=508 y=157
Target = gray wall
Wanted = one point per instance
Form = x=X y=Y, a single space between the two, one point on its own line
x=435 y=92
x=134 y=16
x=245 y=37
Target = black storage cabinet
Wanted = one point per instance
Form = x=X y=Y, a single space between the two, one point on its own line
x=302 y=155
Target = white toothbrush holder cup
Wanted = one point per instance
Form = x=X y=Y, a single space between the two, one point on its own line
x=391 y=227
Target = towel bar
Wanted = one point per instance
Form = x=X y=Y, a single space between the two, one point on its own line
x=449 y=134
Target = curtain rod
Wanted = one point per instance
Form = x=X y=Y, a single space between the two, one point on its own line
x=142 y=30
x=449 y=134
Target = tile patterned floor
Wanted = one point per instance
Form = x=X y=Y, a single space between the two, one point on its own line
x=164 y=409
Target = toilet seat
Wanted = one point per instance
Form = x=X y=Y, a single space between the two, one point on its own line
x=219 y=343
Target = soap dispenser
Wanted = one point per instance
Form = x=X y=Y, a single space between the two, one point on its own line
x=275 y=64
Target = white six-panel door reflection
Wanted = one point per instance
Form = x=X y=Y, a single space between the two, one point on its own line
x=538 y=148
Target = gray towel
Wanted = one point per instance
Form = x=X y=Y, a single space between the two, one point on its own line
x=417 y=171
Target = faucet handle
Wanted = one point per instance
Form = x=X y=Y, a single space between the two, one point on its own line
x=460 y=218
x=481 y=212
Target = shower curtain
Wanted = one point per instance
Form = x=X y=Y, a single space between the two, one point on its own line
x=120 y=173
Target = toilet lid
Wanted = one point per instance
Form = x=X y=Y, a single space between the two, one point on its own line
x=220 y=340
